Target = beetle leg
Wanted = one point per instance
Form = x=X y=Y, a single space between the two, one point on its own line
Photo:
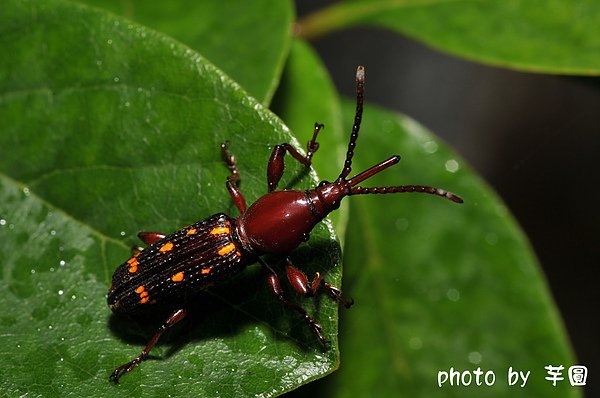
x=233 y=179
x=150 y=237
x=175 y=317
x=300 y=283
x=275 y=287
x=276 y=164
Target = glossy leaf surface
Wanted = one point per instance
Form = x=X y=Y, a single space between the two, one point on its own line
x=108 y=128
x=247 y=40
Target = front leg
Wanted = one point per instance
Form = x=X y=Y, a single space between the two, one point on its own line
x=276 y=164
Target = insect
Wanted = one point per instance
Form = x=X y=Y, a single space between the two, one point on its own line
x=176 y=266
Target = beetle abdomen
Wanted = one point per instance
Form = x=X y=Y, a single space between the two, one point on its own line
x=183 y=263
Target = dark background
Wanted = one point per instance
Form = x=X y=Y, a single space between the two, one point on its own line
x=532 y=137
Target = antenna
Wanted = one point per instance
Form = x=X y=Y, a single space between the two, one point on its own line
x=360 y=89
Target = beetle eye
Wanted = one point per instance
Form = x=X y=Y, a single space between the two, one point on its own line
x=323 y=183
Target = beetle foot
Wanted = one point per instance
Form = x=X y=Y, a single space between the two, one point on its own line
x=318 y=331
x=336 y=294
x=125 y=368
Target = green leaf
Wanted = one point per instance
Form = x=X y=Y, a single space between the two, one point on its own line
x=247 y=40
x=548 y=36
x=108 y=128
x=436 y=284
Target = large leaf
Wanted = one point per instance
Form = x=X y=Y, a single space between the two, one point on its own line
x=438 y=285
x=108 y=128
x=550 y=36
x=247 y=40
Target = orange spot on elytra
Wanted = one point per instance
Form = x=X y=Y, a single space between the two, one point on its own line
x=205 y=271
x=226 y=249
x=133 y=264
x=166 y=247
x=192 y=231
x=219 y=231
x=141 y=290
x=178 y=277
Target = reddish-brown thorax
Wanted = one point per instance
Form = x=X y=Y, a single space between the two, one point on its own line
x=280 y=220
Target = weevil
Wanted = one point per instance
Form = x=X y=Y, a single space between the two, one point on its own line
x=174 y=267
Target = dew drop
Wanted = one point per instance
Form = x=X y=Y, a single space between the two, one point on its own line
x=452 y=166
x=61 y=292
x=2 y=221
x=430 y=146
x=475 y=357
x=453 y=295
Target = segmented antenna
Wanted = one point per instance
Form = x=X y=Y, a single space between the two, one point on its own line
x=407 y=188
x=360 y=82
x=379 y=167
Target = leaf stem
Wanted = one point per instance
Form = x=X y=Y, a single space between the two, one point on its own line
x=343 y=14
